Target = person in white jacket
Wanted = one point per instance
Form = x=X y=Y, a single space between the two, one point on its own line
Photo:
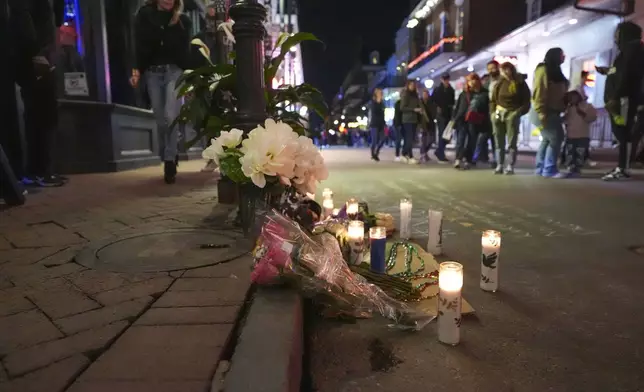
x=578 y=116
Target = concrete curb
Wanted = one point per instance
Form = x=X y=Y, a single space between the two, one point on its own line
x=269 y=352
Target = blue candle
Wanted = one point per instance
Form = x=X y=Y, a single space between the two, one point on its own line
x=378 y=238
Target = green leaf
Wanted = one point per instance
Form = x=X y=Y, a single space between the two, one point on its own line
x=293 y=40
x=231 y=167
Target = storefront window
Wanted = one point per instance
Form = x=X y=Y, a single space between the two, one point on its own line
x=70 y=54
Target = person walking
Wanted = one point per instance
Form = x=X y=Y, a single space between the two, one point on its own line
x=623 y=94
x=428 y=126
x=411 y=109
x=550 y=86
x=473 y=115
x=397 y=130
x=377 y=123
x=33 y=25
x=509 y=101
x=493 y=77
x=162 y=49
x=444 y=99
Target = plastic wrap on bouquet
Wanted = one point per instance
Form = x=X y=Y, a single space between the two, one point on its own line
x=285 y=252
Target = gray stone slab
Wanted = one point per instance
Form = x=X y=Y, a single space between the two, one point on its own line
x=21 y=362
x=53 y=378
x=103 y=316
x=25 y=329
x=187 y=315
x=138 y=386
x=275 y=363
x=160 y=250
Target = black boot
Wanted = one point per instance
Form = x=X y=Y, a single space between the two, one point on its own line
x=170 y=172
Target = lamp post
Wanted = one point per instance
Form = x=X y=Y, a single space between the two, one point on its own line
x=249 y=32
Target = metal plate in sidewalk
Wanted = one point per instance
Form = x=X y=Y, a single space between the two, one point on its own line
x=169 y=250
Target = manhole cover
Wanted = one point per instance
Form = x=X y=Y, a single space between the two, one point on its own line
x=169 y=250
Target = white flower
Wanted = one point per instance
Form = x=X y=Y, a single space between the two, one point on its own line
x=232 y=138
x=227 y=139
x=309 y=166
x=269 y=151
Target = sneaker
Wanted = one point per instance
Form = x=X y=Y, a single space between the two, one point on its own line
x=509 y=170
x=466 y=165
x=412 y=161
x=210 y=167
x=617 y=174
x=49 y=181
x=29 y=181
x=376 y=158
x=498 y=170
x=561 y=174
x=441 y=158
x=457 y=164
x=397 y=159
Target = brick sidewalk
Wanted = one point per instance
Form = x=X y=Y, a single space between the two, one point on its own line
x=64 y=327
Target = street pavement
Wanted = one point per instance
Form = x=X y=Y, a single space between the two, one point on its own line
x=568 y=315
x=66 y=327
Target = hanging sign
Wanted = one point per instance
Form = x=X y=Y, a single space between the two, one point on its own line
x=76 y=84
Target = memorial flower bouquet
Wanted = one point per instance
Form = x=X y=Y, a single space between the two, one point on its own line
x=285 y=253
x=271 y=154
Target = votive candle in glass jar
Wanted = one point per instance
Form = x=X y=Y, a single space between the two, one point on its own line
x=353 y=207
x=450 y=285
x=327 y=193
x=355 y=232
x=490 y=252
x=378 y=242
x=327 y=206
x=405 y=219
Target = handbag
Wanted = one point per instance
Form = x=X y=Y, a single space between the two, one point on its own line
x=474 y=117
x=449 y=131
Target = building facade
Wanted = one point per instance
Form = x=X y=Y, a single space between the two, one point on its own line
x=282 y=18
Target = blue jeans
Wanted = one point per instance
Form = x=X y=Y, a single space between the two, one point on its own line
x=409 y=133
x=552 y=135
x=442 y=143
x=161 y=85
x=377 y=140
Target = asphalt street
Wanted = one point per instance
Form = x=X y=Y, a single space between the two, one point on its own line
x=569 y=315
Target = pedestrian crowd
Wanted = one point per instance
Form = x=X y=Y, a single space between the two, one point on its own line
x=485 y=118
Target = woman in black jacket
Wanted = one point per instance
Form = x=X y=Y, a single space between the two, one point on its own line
x=162 y=49
x=377 y=124
x=472 y=116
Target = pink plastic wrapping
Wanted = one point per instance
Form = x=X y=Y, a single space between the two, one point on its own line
x=286 y=253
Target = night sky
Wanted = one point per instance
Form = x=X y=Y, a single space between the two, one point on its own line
x=350 y=30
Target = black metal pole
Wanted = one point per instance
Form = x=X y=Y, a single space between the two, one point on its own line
x=249 y=34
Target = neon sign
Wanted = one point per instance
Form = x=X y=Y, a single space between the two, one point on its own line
x=434 y=49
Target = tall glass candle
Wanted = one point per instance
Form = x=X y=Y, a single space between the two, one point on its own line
x=435 y=233
x=355 y=232
x=327 y=193
x=352 y=208
x=336 y=212
x=378 y=239
x=327 y=206
x=450 y=284
x=405 y=219
x=490 y=252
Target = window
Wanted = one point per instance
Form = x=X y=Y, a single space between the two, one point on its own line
x=429 y=35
